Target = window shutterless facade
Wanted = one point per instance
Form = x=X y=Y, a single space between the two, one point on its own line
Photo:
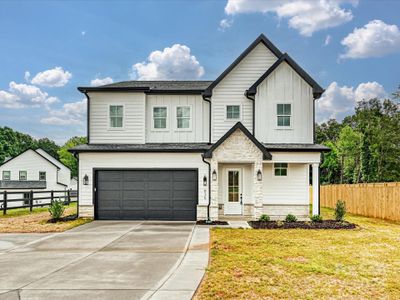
x=159 y=117
x=6 y=175
x=42 y=176
x=280 y=169
x=183 y=117
x=284 y=114
x=116 y=116
x=233 y=112
x=22 y=175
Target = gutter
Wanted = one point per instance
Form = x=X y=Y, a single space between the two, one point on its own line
x=209 y=189
x=88 y=114
x=252 y=98
x=76 y=155
x=207 y=99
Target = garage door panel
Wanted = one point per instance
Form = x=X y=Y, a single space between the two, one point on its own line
x=147 y=194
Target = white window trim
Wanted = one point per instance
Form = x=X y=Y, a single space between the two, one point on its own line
x=176 y=118
x=123 y=117
x=2 y=175
x=291 y=116
x=19 y=175
x=287 y=170
x=166 y=119
x=226 y=112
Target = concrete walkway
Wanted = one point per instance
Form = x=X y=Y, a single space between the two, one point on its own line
x=105 y=260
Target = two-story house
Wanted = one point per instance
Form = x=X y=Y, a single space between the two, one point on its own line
x=241 y=145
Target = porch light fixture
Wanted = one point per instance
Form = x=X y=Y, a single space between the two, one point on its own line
x=85 y=180
x=214 y=175
x=259 y=175
x=205 y=180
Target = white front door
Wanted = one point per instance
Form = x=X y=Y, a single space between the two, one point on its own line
x=233 y=204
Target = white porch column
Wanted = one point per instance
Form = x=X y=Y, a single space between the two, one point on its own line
x=257 y=189
x=315 y=189
x=214 y=190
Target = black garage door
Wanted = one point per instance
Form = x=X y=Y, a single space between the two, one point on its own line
x=146 y=194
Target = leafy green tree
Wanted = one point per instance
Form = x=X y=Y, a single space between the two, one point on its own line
x=330 y=167
x=349 y=145
x=49 y=146
x=68 y=158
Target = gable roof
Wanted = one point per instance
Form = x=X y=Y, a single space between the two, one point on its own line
x=261 y=39
x=29 y=149
x=317 y=89
x=156 y=86
x=240 y=126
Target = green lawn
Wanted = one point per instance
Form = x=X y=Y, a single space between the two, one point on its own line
x=305 y=264
x=25 y=211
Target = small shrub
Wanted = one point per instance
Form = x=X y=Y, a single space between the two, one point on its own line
x=264 y=218
x=340 y=210
x=56 y=209
x=316 y=219
x=290 y=218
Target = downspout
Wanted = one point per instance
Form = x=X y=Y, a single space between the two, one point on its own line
x=207 y=99
x=252 y=98
x=88 y=115
x=77 y=187
x=209 y=189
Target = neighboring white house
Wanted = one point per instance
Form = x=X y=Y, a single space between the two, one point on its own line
x=34 y=170
x=242 y=145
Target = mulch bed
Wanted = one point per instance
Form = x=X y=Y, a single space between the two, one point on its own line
x=63 y=219
x=326 y=224
x=204 y=222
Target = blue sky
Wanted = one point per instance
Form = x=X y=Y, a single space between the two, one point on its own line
x=352 y=48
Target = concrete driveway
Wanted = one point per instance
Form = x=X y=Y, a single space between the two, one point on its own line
x=105 y=260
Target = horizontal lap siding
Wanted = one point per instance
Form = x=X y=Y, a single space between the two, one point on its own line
x=292 y=189
x=231 y=90
x=134 y=117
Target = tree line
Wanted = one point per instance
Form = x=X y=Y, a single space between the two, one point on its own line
x=365 y=147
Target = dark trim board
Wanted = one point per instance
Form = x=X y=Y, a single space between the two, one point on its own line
x=95 y=172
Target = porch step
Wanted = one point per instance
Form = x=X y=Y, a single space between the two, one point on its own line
x=234 y=218
x=239 y=224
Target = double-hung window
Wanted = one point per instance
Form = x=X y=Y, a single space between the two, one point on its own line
x=6 y=175
x=42 y=176
x=183 y=117
x=233 y=112
x=116 y=116
x=159 y=117
x=284 y=114
x=22 y=175
x=280 y=169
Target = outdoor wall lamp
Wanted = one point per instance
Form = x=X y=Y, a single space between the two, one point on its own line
x=214 y=175
x=259 y=175
x=205 y=180
x=85 y=180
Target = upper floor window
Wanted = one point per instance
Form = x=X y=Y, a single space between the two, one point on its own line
x=183 y=117
x=159 y=117
x=233 y=111
x=22 y=175
x=116 y=116
x=284 y=113
x=280 y=169
x=42 y=176
x=6 y=175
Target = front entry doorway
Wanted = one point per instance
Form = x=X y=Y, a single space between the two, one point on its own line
x=234 y=202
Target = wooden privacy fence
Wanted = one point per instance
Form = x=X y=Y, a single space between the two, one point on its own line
x=378 y=200
x=30 y=199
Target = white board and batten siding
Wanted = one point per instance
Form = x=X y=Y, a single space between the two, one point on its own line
x=133 y=131
x=282 y=86
x=230 y=91
x=199 y=118
x=89 y=161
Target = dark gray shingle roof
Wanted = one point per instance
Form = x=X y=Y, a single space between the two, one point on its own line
x=149 y=147
x=296 y=147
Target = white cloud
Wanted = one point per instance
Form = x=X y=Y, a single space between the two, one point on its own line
x=27 y=76
x=73 y=113
x=174 y=62
x=21 y=95
x=83 y=33
x=101 y=81
x=375 y=39
x=225 y=24
x=56 y=77
x=327 y=40
x=339 y=101
x=306 y=16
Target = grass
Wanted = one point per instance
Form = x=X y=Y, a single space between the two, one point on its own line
x=22 y=220
x=304 y=264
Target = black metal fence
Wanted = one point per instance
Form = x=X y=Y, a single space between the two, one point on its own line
x=30 y=199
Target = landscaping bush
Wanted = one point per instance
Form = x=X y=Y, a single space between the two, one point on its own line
x=316 y=218
x=56 y=209
x=290 y=218
x=264 y=218
x=340 y=210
